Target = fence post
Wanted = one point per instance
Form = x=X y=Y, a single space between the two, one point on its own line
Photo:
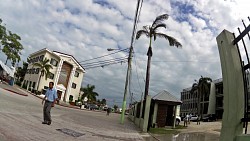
x=233 y=86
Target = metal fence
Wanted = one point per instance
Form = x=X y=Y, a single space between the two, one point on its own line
x=241 y=43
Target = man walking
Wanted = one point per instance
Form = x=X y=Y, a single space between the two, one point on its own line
x=50 y=99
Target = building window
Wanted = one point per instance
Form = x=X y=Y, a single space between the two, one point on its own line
x=37 y=58
x=73 y=85
x=53 y=62
x=33 y=85
x=33 y=71
x=37 y=70
x=76 y=74
x=41 y=58
x=51 y=76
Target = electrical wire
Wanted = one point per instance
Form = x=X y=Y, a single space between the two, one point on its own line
x=137 y=14
x=104 y=61
x=103 y=65
x=105 y=55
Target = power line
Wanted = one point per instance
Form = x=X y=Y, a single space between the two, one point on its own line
x=104 y=61
x=106 y=64
x=188 y=61
x=104 y=55
x=138 y=11
x=137 y=75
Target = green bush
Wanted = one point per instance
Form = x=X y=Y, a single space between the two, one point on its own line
x=25 y=86
x=70 y=98
x=19 y=83
x=38 y=92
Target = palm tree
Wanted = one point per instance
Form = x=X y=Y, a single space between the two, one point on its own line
x=89 y=93
x=152 y=31
x=44 y=68
x=203 y=90
x=193 y=90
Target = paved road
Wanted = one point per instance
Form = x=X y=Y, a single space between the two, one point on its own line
x=21 y=118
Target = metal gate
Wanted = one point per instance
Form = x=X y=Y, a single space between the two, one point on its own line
x=245 y=65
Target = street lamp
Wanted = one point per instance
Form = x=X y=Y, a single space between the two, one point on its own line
x=126 y=82
x=111 y=49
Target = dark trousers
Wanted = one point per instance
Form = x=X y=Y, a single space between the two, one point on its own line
x=46 y=111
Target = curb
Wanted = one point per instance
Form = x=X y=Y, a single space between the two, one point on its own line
x=15 y=92
x=67 y=106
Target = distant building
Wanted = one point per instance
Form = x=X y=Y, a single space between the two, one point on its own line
x=67 y=74
x=212 y=103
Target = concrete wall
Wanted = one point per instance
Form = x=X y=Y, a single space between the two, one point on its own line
x=142 y=123
x=243 y=138
x=233 y=87
x=78 y=82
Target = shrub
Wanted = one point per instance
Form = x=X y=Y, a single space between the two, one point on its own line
x=19 y=83
x=25 y=86
x=38 y=92
x=70 y=98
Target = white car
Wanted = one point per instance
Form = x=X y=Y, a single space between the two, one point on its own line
x=177 y=120
x=193 y=118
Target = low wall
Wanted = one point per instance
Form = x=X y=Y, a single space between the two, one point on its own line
x=243 y=137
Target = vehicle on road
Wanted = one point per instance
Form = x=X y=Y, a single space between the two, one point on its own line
x=177 y=120
x=193 y=118
x=92 y=107
x=209 y=117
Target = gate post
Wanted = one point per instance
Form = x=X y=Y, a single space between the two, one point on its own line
x=233 y=86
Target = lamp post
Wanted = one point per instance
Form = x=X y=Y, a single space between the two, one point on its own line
x=126 y=82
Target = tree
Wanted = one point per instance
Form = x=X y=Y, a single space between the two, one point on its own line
x=89 y=93
x=2 y=30
x=115 y=107
x=103 y=101
x=203 y=86
x=44 y=69
x=193 y=90
x=11 y=44
x=12 y=47
x=21 y=71
x=150 y=32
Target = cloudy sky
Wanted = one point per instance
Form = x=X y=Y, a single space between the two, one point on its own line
x=86 y=28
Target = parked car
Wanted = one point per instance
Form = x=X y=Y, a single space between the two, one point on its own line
x=193 y=118
x=177 y=120
x=92 y=107
x=209 y=117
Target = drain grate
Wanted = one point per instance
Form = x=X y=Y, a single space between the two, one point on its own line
x=70 y=132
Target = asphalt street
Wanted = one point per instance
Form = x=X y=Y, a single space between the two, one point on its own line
x=21 y=120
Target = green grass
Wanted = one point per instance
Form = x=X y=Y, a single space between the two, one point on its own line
x=163 y=131
x=180 y=127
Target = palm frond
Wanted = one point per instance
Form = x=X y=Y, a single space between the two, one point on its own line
x=37 y=65
x=140 y=32
x=159 y=20
x=172 y=41
x=146 y=28
x=159 y=25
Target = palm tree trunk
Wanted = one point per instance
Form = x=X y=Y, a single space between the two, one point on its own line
x=202 y=110
x=38 y=83
x=149 y=54
x=6 y=61
x=199 y=103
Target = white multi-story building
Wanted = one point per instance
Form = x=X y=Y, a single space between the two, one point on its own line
x=67 y=74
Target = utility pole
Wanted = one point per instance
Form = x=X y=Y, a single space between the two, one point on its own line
x=129 y=62
x=126 y=85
